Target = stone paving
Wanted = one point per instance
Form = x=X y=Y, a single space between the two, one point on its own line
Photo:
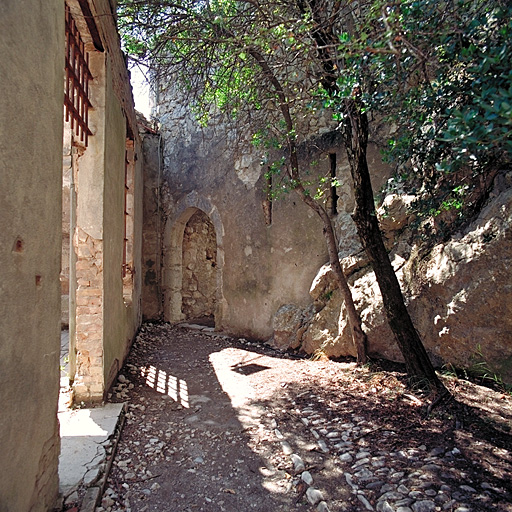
x=310 y=455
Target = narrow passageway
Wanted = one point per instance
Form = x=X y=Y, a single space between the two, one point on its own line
x=222 y=424
x=195 y=438
x=65 y=391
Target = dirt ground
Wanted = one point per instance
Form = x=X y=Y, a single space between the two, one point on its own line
x=220 y=424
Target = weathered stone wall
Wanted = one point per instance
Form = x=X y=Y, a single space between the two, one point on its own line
x=153 y=225
x=270 y=251
x=259 y=266
x=31 y=98
x=199 y=268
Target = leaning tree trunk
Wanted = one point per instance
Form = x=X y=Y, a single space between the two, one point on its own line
x=418 y=365
x=358 y=335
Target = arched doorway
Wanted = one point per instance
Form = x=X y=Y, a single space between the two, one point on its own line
x=193 y=264
x=199 y=262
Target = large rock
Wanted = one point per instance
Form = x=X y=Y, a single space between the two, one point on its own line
x=288 y=324
x=394 y=213
x=464 y=293
x=328 y=332
x=459 y=297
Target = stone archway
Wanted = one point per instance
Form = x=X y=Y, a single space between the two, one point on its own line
x=199 y=263
x=193 y=263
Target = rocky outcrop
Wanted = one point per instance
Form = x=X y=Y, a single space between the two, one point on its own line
x=289 y=324
x=459 y=294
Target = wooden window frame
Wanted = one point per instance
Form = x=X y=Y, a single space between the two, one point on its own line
x=76 y=91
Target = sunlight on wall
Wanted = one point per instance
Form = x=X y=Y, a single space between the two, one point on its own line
x=141 y=92
x=166 y=384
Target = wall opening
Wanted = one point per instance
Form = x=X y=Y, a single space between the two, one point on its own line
x=333 y=199
x=199 y=261
x=200 y=240
x=128 y=240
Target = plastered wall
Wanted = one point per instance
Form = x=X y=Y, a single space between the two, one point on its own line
x=260 y=265
x=108 y=304
x=31 y=99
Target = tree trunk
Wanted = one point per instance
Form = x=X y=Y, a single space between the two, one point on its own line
x=358 y=335
x=419 y=367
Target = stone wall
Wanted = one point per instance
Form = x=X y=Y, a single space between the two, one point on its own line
x=199 y=268
x=31 y=99
x=259 y=265
x=267 y=251
x=153 y=224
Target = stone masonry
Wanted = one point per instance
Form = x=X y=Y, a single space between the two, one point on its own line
x=199 y=264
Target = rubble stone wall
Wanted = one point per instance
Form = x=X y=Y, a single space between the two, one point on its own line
x=199 y=268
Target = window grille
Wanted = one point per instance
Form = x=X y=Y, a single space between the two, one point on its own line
x=78 y=74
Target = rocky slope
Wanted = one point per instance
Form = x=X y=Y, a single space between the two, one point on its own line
x=459 y=293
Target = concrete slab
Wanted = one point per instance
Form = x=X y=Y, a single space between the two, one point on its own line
x=88 y=437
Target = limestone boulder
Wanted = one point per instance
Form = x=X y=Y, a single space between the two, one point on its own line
x=323 y=284
x=394 y=213
x=328 y=332
x=459 y=296
x=288 y=325
x=463 y=290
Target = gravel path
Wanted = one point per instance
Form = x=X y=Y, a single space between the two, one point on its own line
x=217 y=424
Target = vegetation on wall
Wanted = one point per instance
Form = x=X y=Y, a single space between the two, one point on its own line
x=437 y=72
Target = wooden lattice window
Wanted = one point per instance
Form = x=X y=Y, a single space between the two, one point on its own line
x=78 y=74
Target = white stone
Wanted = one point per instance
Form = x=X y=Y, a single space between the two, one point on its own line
x=365 y=502
x=306 y=477
x=298 y=463
x=322 y=507
x=314 y=496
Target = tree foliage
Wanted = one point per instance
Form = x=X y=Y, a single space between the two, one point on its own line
x=441 y=74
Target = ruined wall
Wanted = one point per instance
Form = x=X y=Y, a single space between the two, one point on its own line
x=31 y=98
x=108 y=175
x=259 y=265
x=263 y=264
x=152 y=225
